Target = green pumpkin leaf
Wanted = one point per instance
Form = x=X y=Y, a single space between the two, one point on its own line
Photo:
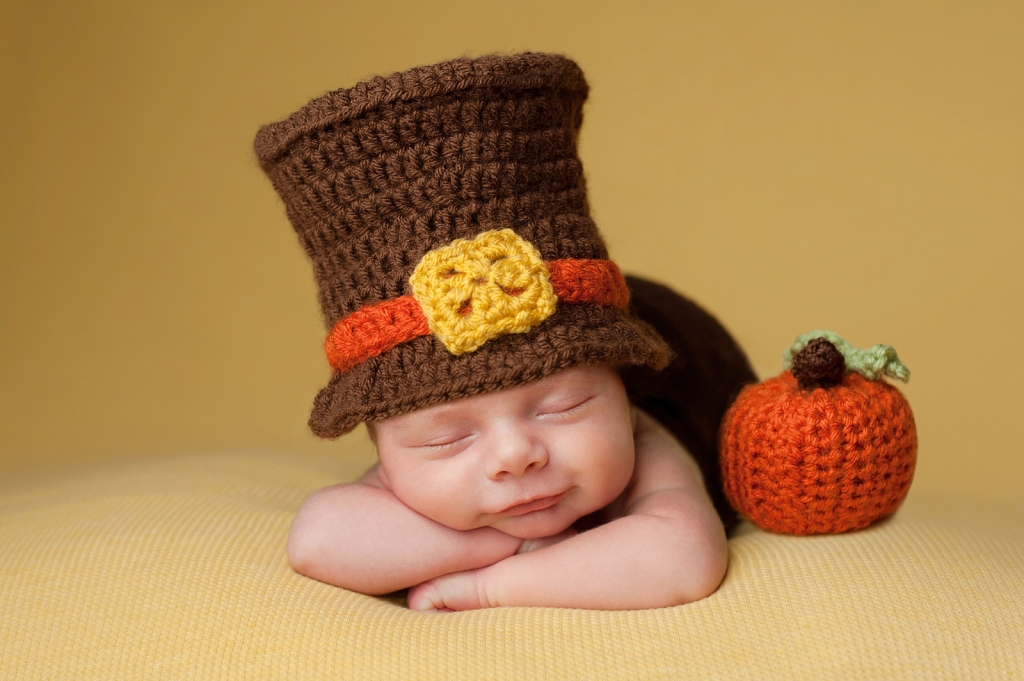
x=872 y=363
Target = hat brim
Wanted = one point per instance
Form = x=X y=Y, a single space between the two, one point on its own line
x=422 y=372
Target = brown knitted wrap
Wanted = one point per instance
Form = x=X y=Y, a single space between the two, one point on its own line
x=375 y=176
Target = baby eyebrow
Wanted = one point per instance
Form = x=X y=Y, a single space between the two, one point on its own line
x=434 y=416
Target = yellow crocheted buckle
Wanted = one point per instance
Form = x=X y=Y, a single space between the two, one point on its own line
x=477 y=289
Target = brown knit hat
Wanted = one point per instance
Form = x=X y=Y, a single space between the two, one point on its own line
x=473 y=162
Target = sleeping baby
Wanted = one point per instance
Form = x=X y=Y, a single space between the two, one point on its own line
x=546 y=428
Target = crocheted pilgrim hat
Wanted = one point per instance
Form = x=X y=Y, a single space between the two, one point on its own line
x=445 y=213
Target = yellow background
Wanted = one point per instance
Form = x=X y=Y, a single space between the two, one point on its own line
x=854 y=166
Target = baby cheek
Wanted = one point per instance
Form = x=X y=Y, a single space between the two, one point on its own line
x=441 y=495
x=615 y=464
x=613 y=476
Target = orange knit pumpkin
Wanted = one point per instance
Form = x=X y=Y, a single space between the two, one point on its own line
x=800 y=458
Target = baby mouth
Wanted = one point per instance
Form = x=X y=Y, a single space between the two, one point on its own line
x=533 y=505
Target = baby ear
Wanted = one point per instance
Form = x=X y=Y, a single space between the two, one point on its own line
x=371 y=430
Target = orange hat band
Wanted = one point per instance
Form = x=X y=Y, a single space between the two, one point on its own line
x=375 y=329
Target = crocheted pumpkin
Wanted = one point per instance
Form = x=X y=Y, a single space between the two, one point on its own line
x=827 y=446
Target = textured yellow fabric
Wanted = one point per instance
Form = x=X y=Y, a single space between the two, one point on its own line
x=473 y=290
x=175 y=569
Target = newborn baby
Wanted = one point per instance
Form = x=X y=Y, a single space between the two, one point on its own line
x=474 y=504
x=547 y=429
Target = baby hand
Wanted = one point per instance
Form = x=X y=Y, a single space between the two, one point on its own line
x=447 y=593
x=464 y=590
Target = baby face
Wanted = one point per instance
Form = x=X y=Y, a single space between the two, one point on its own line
x=528 y=461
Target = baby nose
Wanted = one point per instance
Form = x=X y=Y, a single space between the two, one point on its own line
x=514 y=456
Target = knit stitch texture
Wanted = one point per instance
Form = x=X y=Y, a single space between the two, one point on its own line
x=375 y=176
x=818 y=461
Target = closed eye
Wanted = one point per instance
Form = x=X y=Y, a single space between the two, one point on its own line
x=567 y=411
x=444 y=445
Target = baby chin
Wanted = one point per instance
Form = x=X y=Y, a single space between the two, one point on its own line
x=542 y=519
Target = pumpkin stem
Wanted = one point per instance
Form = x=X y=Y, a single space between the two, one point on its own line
x=872 y=363
x=818 y=365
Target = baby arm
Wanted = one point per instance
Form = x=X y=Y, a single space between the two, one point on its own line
x=667 y=547
x=359 y=536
